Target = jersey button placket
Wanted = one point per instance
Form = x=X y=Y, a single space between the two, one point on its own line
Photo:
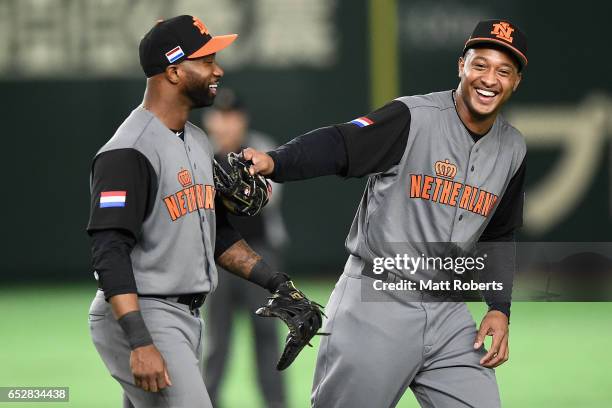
x=202 y=215
x=193 y=166
x=469 y=179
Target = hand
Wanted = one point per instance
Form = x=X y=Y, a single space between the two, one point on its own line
x=149 y=369
x=302 y=316
x=494 y=324
x=262 y=162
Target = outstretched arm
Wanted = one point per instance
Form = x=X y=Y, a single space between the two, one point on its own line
x=321 y=152
x=370 y=144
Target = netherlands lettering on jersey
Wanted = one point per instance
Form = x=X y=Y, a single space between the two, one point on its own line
x=442 y=189
x=190 y=198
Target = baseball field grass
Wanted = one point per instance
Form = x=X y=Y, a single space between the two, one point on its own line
x=561 y=353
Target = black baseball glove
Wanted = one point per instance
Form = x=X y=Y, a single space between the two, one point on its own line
x=302 y=316
x=240 y=192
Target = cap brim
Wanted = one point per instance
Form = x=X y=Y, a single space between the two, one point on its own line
x=480 y=40
x=215 y=44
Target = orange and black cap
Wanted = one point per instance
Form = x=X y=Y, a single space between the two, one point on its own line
x=177 y=39
x=500 y=33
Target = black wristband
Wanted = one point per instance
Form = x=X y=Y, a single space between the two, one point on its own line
x=263 y=275
x=135 y=329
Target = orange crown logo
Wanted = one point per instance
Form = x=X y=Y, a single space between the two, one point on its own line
x=445 y=169
x=503 y=30
x=184 y=178
x=200 y=25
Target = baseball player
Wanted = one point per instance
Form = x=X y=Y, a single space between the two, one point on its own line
x=444 y=167
x=157 y=230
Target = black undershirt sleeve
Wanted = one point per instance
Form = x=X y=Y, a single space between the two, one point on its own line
x=498 y=242
x=370 y=144
x=128 y=178
x=320 y=152
x=508 y=215
x=110 y=251
x=226 y=235
x=377 y=147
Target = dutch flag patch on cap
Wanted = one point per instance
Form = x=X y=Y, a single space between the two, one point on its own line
x=175 y=54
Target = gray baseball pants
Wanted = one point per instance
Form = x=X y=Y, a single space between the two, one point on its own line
x=176 y=332
x=377 y=350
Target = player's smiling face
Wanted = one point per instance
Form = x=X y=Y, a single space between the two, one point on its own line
x=488 y=79
x=203 y=75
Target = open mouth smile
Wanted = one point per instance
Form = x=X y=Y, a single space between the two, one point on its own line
x=485 y=96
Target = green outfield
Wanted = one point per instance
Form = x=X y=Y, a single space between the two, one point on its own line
x=560 y=353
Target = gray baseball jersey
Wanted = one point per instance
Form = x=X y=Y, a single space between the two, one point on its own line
x=174 y=250
x=445 y=188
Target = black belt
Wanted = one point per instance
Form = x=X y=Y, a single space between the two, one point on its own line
x=193 y=300
x=385 y=276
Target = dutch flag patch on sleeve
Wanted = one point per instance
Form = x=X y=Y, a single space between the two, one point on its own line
x=362 y=121
x=112 y=199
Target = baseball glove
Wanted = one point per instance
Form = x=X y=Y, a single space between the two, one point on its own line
x=240 y=192
x=302 y=316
